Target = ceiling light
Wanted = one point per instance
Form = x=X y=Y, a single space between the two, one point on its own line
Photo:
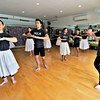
x=37 y=4
x=23 y=11
x=61 y=11
x=44 y=16
x=79 y=6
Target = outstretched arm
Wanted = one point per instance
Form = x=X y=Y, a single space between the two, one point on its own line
x=43 y=38
x=59 y=38
x=78 y=36
x=27 y=35
x=97 y=38
x=11 y=39
x=90 y=33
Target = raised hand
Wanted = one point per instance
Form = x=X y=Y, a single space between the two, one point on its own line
x=90 y=32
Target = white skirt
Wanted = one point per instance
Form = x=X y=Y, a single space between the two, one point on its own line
x=8 y=63
x=47 y=43
x=84 y=44
x=29 y=46
x=58 y=42
x=12 y=45
x=64 y=48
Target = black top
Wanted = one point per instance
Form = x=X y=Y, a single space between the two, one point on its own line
x=77 y=39
x=84 y=36
x=64 y=36
x=4 y=45
x=28 y=37
x=39 y=43
x=98 y=35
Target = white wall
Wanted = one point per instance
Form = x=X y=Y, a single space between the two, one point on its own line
x=93 y=17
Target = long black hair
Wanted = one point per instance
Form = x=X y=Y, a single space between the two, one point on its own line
x=76 y=31
x=4 y=29
x=2 y=22
x=64 y=29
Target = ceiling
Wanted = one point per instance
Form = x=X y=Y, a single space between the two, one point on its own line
x=47 y=9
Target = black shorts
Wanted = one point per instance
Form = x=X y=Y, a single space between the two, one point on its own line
x=39 y=50
x=76 y=45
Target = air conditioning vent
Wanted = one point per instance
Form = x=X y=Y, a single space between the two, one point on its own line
x=16 y=18
x=80 y=18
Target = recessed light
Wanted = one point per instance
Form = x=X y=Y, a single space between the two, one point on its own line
x=44 y=16
x=37 y=4
x=79 y=6
x=61 y=11
x=23 y=11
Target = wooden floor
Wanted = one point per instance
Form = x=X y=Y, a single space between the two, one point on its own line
x=73 y=79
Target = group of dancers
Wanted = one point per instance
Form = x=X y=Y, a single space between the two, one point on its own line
x=29 y=45
x=36 y=39
x=79 y=42
x=8 y=63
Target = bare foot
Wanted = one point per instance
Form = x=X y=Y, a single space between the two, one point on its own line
x=46 y=66
x=37 y=69
x=13 y=80
x=4 y=82
x=65 y=58
x=48 y=50
x=30 y=54
x=77 y=55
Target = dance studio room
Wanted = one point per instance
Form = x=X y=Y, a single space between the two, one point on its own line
x=49 y=49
